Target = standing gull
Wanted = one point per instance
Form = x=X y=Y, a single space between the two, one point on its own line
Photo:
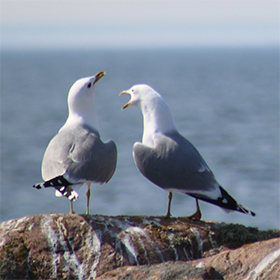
x=76 y=155
x=169 y=160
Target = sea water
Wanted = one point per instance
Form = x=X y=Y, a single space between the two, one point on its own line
x=225 y=101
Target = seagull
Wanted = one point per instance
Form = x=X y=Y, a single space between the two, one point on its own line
x=169 y=160
x=77 y=155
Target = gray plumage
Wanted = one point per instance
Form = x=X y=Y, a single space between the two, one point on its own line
x=174 y=163
x=76 y=155
x=80 y=153
x=169 y=160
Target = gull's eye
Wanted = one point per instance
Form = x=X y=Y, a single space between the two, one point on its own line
x=89 y=85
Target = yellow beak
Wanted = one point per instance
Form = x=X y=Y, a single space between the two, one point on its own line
x=99 y=75
x=127 y=104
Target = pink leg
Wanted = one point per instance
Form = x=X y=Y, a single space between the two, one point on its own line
x=71 y=207
x=168 y=214
x=197 y=215
x=88 y=196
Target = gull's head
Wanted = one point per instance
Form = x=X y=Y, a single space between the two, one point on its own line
x=156 y=112
x=81 y=94
x=141 y=96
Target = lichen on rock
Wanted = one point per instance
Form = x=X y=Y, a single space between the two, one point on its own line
x=64 y=246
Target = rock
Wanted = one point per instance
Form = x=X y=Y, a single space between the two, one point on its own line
x=76 y=246
x=168 y=270
x=258 y=260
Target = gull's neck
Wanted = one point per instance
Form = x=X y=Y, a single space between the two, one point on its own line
x=157 y=119
x=75 y=119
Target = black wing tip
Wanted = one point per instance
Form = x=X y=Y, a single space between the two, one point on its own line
x=68 y=192
x=37 y=186
x=55 y=182
x=243 y=210
x=61 y=185
x=253 y=213
x=232 y=204
x=225 y=201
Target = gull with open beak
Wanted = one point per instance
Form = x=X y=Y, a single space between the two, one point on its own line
x=169 y=160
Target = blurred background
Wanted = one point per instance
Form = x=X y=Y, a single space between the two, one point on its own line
x=216 y=63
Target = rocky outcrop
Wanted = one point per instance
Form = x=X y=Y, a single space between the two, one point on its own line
x=64 y=246
x=168 y=270
x=253 y=261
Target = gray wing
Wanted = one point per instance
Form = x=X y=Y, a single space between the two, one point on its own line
x=81 y=155
x=174 y=164
x=56 y=154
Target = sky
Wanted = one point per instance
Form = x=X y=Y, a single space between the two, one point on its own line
x=138 y=24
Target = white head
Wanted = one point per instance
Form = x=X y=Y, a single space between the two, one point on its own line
x=156 y=112
x=81 y=101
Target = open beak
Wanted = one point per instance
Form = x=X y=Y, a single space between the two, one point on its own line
x=127 y=104
x=98 y=76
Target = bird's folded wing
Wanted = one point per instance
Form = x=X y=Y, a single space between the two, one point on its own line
x=174 y=163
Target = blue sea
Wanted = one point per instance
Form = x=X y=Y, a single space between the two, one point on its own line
x=225 y=101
